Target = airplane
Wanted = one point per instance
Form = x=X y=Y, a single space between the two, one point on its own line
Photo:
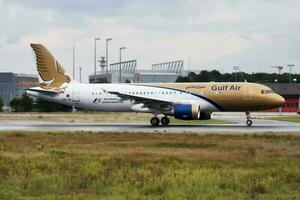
x=185 y=101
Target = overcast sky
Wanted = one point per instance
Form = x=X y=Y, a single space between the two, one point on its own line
x=254 y=34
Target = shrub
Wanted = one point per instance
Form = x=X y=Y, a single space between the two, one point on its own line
x=1 y=104
x=45 y=106
x=23 y=104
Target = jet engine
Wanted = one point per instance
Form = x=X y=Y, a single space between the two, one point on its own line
x=186 y=111
x=205 y=115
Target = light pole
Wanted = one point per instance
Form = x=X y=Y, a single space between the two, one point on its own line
x=107 y=40
x=291 y=70
x=120 y=67
x=80 y=74
x=95 y=51
x=73 y=107
x=73 y=61
x=236 y=69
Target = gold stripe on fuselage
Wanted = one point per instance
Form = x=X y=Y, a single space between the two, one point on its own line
x=231 y=96
x=195 y=111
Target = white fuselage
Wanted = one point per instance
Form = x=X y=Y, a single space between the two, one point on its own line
x=96 y=97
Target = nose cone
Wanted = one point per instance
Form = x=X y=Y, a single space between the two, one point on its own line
x=278 y=100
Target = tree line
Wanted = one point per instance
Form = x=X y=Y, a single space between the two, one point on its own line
x=26 y=104
x=1 y=104
x=216 y=76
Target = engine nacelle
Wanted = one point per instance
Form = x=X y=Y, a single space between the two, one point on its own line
x=186 y=111
x=205 y=115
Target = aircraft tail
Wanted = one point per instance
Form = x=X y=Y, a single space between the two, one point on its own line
x=51 y=72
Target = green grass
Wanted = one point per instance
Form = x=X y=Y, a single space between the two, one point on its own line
x=294 y=118
x=64 y=165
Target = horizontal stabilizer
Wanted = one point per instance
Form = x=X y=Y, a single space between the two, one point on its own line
x=40 y=90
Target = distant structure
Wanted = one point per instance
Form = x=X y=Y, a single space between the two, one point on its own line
x=174 y=67
x=14 y=85
x=290 y=92
x=102 y=63
x=279 y=68
x=160 y=72
x=128 y=69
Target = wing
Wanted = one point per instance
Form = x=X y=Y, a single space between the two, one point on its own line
x=152 y=103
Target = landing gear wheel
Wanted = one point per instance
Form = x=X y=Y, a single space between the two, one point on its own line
x=165 y=121
x=249 y=122
x=154 y=121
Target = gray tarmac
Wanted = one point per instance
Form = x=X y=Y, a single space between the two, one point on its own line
x=259 y=126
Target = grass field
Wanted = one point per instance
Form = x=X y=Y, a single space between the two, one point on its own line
x=98 y=117
x=62 y=165
x=294 y=118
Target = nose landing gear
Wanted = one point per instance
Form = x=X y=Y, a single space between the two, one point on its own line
x=248 y=121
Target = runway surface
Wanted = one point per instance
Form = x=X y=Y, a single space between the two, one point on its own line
x=259 y=125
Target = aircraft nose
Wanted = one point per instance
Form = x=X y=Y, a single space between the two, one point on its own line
x=279 y=100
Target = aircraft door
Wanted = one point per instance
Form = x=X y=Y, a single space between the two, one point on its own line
x=247 y=91
x=75 y=95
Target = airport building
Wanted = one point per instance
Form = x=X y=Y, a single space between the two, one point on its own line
x=14 y=85
x=291 y=94
x=161 y=72
x=112 y=75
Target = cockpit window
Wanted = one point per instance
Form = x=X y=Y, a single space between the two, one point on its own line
x=267 y=92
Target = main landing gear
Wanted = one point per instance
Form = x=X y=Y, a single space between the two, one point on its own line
x=155 y=121
x=165 y=121
x=248 y=121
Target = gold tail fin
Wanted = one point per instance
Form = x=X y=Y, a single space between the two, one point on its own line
x=50 y=71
